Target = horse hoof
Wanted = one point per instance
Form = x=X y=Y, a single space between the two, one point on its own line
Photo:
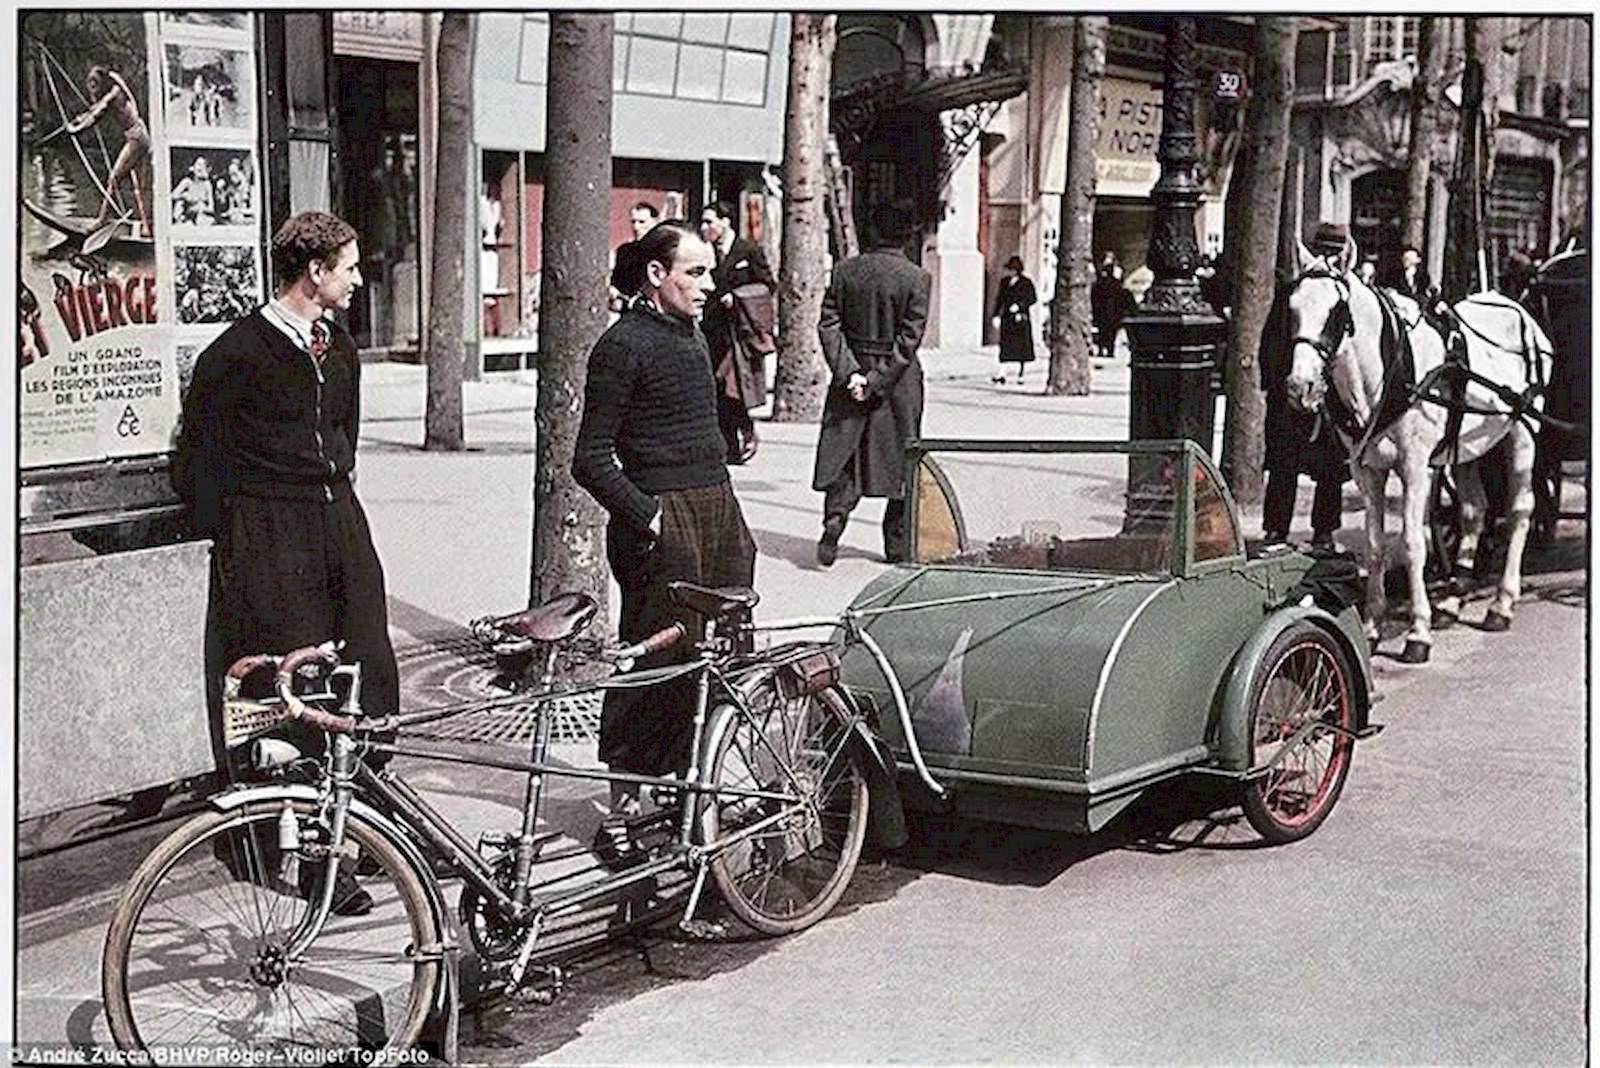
x=1415 y=652
x=1496 y=622
x=1444 y=620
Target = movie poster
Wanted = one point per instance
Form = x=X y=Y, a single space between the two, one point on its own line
x=97 y=379
x=140 y=230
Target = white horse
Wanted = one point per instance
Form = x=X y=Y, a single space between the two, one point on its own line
x=1345 y=357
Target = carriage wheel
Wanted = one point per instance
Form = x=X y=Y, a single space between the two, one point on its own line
x=1302 y=691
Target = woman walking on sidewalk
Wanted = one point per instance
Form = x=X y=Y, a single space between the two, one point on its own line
x=1013 y=314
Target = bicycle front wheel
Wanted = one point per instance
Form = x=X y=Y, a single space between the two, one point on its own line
x=199 y=952
x=786 y=864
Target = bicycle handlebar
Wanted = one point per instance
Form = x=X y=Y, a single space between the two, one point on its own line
x=661 y=639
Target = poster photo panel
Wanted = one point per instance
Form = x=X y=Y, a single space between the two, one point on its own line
x=215 y=283
x=213 y=188
x=204 y=24
x=209 y=92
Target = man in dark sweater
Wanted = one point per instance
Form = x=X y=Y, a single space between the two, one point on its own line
x=650 y=451
x=265 y=459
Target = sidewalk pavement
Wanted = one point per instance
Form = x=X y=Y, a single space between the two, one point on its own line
x=454 y=533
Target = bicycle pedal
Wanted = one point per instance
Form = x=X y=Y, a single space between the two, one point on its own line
x=703 y=930
x=532 y=991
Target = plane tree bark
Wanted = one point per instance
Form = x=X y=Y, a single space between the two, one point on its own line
x=568 y=524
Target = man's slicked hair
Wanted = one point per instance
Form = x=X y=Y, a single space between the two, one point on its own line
x=305 y=238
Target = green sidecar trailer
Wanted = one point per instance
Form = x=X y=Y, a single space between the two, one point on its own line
x=1078 y=621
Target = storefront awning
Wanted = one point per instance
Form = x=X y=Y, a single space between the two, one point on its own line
x=949 y=90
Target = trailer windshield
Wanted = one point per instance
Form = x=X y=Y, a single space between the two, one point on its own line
x=1067 y=507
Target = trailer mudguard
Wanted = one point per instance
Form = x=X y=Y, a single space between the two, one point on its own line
x=1233 y=716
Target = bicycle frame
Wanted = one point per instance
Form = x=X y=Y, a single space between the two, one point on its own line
x=391 y=794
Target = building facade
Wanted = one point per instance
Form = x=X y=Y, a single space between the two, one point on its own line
x=697 y=116
x=1351 y=133
x=1025 y=149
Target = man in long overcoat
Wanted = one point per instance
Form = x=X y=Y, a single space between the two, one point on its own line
x=873 y=316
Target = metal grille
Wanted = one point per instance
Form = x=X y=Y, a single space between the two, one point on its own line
x=454 y=668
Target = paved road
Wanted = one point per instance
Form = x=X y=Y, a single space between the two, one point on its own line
x=1437 y=918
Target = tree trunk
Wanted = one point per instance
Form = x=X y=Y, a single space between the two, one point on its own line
x=568 y=524
x=1464 y=271
x=1424 y=121
x=1071 y=314
x=442 y=420
x=801 y=377
x=1266 y=153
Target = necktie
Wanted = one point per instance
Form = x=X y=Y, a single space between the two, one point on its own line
x=319 y=340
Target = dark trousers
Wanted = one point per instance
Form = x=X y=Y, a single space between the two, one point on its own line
x=735 y=423
x=292 y=573
x=841 y=498
x=703 y=540
x=1277 y=510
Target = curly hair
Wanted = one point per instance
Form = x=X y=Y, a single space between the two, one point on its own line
x=303 y=238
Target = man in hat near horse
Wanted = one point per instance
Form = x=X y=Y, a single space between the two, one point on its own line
x=1297 y=442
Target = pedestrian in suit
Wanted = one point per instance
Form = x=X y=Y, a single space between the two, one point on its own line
x=872 y=321
x=1110 y=303
x=741 y=373
x=1013 y=304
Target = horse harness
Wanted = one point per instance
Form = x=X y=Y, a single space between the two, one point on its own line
x=1445 y=385
x=1399 y=370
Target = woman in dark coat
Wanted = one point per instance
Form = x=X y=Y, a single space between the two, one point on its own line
x=1013 y=315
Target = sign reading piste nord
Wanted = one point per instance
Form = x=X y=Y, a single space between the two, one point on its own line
x=1130 y=127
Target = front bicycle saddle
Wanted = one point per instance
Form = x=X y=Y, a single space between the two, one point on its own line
x=556 y=620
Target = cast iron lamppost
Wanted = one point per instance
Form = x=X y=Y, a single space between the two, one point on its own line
x=1176 y=336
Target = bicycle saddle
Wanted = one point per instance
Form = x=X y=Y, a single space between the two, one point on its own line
x=712 y=603
x=557 y=619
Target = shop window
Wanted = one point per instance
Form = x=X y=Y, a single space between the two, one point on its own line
x=698 y=56
x=656 y=24
x=705 y=28
x=1342 y=72
x=1391 y=37
x=750 y=31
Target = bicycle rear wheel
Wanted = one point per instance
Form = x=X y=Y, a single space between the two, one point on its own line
x=196 y=953
x=790 y=872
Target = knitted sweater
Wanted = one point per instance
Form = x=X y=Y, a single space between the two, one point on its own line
x=262 y=419
x=649 y=415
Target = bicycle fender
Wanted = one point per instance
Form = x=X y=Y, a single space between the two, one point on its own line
x=1233 y=718
x=443 y=917
x=886 y=817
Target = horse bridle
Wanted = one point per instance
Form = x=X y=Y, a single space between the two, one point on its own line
x=1339 y=324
